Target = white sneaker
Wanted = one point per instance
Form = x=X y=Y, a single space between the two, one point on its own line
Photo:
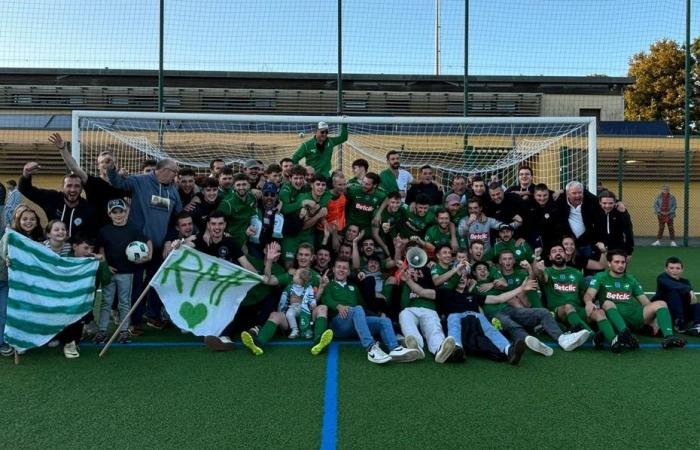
x=70 y=350
x=403 y=354
x=571 y=341
x=294 y=334
x=538 y=346
x=376 y=355
x=412 y=343
x=445 y=351
x=673 y=244
x=656 y=243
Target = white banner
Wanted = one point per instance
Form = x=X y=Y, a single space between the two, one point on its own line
x=201 y=292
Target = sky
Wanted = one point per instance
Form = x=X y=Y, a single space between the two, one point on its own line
x=506 y=37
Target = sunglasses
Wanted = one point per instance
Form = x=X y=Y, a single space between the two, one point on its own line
x=269 y=194
x=324 y=132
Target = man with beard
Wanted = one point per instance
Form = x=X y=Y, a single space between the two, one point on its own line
x=318 y=151
x=98 y=190
x=363 y=201
x=395 y=179
x=225 y=182
x=238 y=207
x=564 y=287
x=504 y=207
x=425 y=186
x=624 y=302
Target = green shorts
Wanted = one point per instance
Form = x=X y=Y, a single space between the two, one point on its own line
x=580 y=310
x=634 y=317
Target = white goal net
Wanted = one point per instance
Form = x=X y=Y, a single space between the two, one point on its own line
x=558 y=149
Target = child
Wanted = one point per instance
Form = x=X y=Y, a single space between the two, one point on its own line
x=82 y=247
x=112 y=241
x=57 y=238
x=297 y=300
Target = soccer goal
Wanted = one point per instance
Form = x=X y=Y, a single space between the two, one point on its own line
x=558 y=149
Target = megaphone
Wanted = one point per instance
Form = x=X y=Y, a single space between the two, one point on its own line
x=416 y=257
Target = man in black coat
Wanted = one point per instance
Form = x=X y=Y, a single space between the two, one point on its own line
x=581 y=216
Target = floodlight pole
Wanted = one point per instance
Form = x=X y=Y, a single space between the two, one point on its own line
x=161 y=77
x=686 y=126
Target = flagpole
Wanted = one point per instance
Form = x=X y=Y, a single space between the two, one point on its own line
x=125 y=320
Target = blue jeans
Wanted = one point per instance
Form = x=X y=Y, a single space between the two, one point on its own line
x=357 y=324
x=4 y=291
x=454 y=329
x=121 y=283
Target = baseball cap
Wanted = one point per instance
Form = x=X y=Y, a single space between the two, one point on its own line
x=114 y=204
x=322 y=126
x=269 y=186
x=505 y=226
x=452 y=198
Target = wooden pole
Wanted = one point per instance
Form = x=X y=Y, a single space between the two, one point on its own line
x=124 y=320
x=16 y=358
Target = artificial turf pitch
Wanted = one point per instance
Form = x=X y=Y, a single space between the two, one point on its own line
x=184 y=396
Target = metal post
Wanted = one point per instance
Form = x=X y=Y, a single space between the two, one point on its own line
x=465 y=80
x=340 y=57
x=620 y=171
x=437 y=37
x=161 y=78
x=686 y=141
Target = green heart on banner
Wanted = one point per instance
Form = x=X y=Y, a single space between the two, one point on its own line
x=193 y=314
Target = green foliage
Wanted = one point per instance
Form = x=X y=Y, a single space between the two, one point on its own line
x=659 y=89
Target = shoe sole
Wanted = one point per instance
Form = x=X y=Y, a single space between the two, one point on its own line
x=379 y=361
x=578 y=342
x=71 y=355
x=249 y=343
x=216 y=344
x=537 y=346
x=518 y=351
x=326 y=339
x=445 y=350
x=412 y=343
x=407 y=357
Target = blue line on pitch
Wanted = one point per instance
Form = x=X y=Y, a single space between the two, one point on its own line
x=330 y=401
x=201 y=344
x=644 y=345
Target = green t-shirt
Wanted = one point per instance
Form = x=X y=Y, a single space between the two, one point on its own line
x=307 y=235
x=563 y=287
x=436 y=236
x=388 y=181
x=416 y=225
x=320 y=160
x=521 y=252
x=362 y=206
x=394 y=220
x=451 y=282
x=621 y=291
x=238 y=212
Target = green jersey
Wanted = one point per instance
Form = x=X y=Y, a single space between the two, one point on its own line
x=622 y=291
x=238 y=212
x=521 y=252
x=437 y=236
x=307 y=234
x=362 y=206
x=451 y=282
x=388 y=181
x=320 y=158
x=390 y=223
x=563 y=287
x=289 y=196
x=258 y=292
x=410 y=299
x=416 y=225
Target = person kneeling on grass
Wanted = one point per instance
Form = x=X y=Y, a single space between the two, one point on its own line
x=624 y=302
x=319 y=313
x=460 y=305
x=344 y=302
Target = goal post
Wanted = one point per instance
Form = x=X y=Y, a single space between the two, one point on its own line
x=558 y=149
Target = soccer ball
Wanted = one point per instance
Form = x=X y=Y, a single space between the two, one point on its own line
x=136 y=250
x=301 y=135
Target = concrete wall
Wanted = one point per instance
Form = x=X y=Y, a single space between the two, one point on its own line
x=612 y=107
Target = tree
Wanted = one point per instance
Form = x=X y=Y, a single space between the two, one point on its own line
x=659 y=89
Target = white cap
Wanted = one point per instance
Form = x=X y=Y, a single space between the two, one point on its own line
x=322 y=126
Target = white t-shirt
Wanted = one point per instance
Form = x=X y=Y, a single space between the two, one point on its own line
x=403 y=181
x=576 y=220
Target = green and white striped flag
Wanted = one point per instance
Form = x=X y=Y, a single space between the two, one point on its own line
x=47 y=292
